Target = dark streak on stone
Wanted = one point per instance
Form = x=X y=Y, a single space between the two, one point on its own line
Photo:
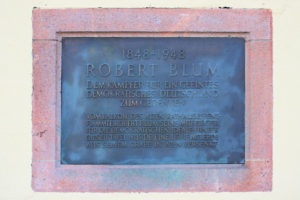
x=41 y=133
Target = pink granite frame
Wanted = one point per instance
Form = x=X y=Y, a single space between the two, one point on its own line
x=52 y=24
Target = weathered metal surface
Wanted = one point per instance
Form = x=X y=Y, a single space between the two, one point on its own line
x=153 y=100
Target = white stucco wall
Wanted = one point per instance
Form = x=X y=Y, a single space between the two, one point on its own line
x=16 y=89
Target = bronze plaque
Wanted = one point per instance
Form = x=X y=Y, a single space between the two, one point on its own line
x=153 y=100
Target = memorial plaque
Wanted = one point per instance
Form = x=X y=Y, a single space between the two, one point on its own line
x=153 y=100
x=174 y=100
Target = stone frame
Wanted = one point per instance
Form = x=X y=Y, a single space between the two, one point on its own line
x=50 y=25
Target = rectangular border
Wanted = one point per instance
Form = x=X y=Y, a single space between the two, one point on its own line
x=120 y=34
x=48 y=28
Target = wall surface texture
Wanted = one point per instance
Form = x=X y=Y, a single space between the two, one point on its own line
x=16 y=90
